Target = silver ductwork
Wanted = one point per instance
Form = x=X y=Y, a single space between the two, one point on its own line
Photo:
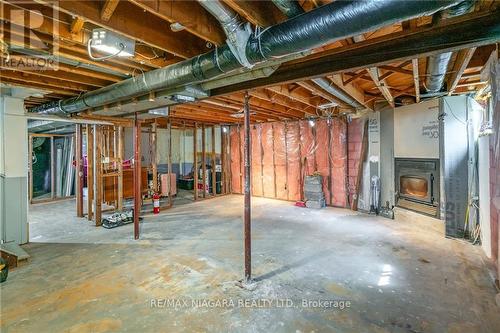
x=321 y=26
x=237 y=31
x=437 y=65
x=291 y=8
x=325 y=85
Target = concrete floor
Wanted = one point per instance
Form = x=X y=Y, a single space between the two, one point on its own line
x=398 y=276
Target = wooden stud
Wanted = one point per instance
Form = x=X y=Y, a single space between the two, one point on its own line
x=214 y=178
x=203 y=158
x=78 y=171
x=121 y=153
x=274 y=163
x=154 y=157
x=169 y=162
x=90 y=171
x=286 y=162
x=416 y=81
x=52 y=169
x=195 y=160
x=137 y=176
x=98 y=132
x=330 y=156
x=30 y=164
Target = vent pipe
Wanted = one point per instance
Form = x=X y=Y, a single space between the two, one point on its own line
x=291 y=8
x=237 y=31
x=327 y=24
x=437 y=65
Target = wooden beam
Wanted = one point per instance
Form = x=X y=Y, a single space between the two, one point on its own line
x=352 y=89
x=465 y=31
x=381 y=85
x=284 y=90
x=320 y=92
x=68 y=41
x=189 y=14
x=33 y=77
x=76 y=25
x=416 y=81
x=462 y=60
x=260 y=13
x=108 y=9
x=128 y=20
x=61 y=75
x=45 y=89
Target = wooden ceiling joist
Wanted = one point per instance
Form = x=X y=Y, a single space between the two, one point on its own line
x=133 y=22
x=259 y=13
x=189 y=14
x=381 y=85
x=44 y=80
x=466 y=31
x=416 y=81
x=461 y=62
x=108 y=8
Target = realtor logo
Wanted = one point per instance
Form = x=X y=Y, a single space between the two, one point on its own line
x=28 y=36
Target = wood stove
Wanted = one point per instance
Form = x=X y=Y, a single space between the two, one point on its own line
x=417 y=184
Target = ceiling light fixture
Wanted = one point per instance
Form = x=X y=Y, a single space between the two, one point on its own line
x=110 y=43
x=327 y=105
x=160 y=111
x=176 y=27
x=183 y=98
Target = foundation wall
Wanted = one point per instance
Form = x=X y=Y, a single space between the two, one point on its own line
x=284 y=152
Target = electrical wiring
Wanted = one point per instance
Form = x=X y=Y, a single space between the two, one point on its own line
x=89 y=51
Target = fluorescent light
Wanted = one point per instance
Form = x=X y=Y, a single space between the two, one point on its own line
x=183 y=98
x=311 y=122
x=176 y=27
x=159 y=111
x=108 y=42
x=327 y=105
